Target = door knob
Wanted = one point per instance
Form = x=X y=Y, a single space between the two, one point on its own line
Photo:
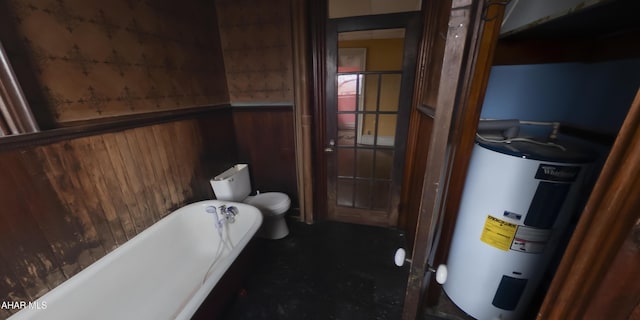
x=330 y=147
x=441 y=272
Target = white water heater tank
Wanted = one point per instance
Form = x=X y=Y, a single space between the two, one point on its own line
x=517 y=201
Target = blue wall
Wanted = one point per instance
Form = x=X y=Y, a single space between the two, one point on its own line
x=596 y=95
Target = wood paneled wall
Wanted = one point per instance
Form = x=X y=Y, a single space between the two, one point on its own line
x=265 y=141
x=67 y=204
x=80 y=60
x=256 y=42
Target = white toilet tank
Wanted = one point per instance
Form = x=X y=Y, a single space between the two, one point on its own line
x=233 y=184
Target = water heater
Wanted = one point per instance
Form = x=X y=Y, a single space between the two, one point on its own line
x=517 y=202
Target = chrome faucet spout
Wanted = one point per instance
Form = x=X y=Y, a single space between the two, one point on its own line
x=228 y=213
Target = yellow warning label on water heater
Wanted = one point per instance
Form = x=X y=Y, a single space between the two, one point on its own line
x=498 y=233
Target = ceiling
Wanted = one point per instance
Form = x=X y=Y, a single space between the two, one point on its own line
x=353 y=8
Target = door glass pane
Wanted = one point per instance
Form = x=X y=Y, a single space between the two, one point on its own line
x=367 y=129
x=384 y=163
x=390 y=92
x=386 y=129
x=363 y=194
x=381 y=195
x=344 y=193
x=345 y=162
x=371 y=92
x=349 y=92
x=346 y=138
x=365 y=163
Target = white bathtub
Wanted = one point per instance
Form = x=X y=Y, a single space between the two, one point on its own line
x=165 y=272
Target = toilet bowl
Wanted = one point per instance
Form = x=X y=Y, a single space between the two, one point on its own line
x=273 y=206
x=234 y=185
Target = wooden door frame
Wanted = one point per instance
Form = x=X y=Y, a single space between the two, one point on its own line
x=302 y=110
x=466 y=139
x=460 y=23
x=318 y=15
x=410 y=21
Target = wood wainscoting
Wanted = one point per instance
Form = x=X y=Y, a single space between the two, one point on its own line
x=68 y=203
x=265 y=136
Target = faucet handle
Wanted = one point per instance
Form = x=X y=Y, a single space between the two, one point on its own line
x=230 y=214
x=232 y=210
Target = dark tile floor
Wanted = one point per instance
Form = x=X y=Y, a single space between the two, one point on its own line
x=323 y=271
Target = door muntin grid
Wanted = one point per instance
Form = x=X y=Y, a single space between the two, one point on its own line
x=366 y=133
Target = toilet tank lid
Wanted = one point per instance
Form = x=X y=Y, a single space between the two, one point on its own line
x=230 y=172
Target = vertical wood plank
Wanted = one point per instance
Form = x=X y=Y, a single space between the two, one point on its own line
x=56 y=223
x=92 y=165
x=10 y=288
x=81 y=159
x=173 y=153
x=183 y=157
x=120 y=181
x=203 y=168
x=21 y=240
x=144 y=162
x=67 y=185
x=115 y=150
x=23 y=192
x=115 y=191
x=165 y=164
x=134 y=165
x=189 y=155
x=163 y=137
x=197 y=181
x=160 y=185
x=60 y=182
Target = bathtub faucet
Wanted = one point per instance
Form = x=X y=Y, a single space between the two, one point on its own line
x=229 y=213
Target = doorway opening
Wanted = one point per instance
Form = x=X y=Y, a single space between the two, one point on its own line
x=370 y=71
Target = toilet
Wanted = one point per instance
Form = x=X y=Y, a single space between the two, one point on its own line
x=234 y=185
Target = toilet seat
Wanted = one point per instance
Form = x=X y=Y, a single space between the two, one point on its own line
x=270 y=203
